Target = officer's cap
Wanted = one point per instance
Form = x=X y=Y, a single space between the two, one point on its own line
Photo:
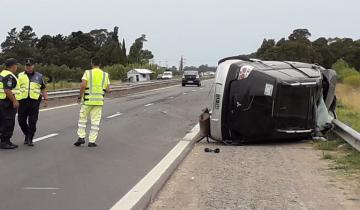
x=29 y=62
x=11 y=62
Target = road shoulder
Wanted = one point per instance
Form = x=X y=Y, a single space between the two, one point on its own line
x=273 y=176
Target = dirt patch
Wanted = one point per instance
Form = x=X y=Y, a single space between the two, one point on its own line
x=273 y=176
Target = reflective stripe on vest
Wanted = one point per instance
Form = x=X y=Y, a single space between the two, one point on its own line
x=30 y=88
x=95 y=90
x=15 y=91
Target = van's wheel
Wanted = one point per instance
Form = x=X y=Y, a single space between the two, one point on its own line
x=183 y=85
x=199 y=85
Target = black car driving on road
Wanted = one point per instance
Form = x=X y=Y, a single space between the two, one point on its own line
x=191 y=78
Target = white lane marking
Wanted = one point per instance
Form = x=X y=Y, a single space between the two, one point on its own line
x=149 y=104
x=45 y=137
x=185 y=93
x=201 y=88
x=172 y=97
x=40 y=188
x=193 y=90
x=57 y=107
x=114 y=115
x=145 y=184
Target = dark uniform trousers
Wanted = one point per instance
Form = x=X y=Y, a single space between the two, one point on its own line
x=28 y=114
x=7 y=120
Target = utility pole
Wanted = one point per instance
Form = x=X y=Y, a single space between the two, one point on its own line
x=181 y=63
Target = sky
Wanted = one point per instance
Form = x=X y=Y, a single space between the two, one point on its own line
x=203 y=31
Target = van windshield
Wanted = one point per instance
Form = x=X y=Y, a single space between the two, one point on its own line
x=191 y=73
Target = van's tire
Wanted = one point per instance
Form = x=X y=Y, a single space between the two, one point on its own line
x=199 y=85
x=183 y=85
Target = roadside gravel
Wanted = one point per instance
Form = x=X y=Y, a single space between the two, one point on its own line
x=270 y=176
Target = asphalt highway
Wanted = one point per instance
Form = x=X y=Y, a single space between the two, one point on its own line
x=137 y=131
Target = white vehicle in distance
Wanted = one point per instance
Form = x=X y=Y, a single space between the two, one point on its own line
x=159 y=76
x=167 y=75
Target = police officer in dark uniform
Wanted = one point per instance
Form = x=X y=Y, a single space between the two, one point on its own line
x=32 y=89
x=8 y=103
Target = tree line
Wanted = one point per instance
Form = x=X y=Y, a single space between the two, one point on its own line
x=298 y=47
x=66 y=57
x=201 y=68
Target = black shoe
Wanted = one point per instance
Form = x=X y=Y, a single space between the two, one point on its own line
x=6 y=146
x=13 y=145
x=79 y=142
x=26 y=141
x=30 y=142
x=92 y=144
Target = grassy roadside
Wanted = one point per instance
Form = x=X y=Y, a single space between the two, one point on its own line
x=340 y=153
x=348 y=109
x=335 y=149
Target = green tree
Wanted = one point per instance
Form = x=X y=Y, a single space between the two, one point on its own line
x=301 y=35
x=123 y=56
x=73 y=51
x=100 y=36
x=83 y=40
x=110 y=53
x=11 y=40
x=266 y=45
x=27 y=36
x=79 y=57
x=136 y=50
x=20 y=45
x=145 y=56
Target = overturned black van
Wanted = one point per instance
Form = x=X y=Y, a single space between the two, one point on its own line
x=256 y=100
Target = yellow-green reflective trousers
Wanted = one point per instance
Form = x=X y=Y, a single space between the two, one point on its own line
x=95 y=116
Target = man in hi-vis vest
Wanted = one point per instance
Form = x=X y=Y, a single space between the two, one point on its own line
x=9 y=104
x=32 y=89
x=95 y=83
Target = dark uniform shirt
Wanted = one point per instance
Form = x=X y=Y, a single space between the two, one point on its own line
x=9 y=83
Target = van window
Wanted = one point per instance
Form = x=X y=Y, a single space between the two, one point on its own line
x=191 y=73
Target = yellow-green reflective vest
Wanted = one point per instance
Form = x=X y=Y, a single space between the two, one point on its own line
x=97 y=82
x=30 y=88
x=15 y=91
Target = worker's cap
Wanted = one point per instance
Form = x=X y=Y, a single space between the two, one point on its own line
x=29 y=61
x=11 y=62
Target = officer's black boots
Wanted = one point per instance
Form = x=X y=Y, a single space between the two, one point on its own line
x=26 y=141
x=4 y=145
x=7 y=145
x=79 y=142
x=30 y=142
x=13 y=145
x=92 y=144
